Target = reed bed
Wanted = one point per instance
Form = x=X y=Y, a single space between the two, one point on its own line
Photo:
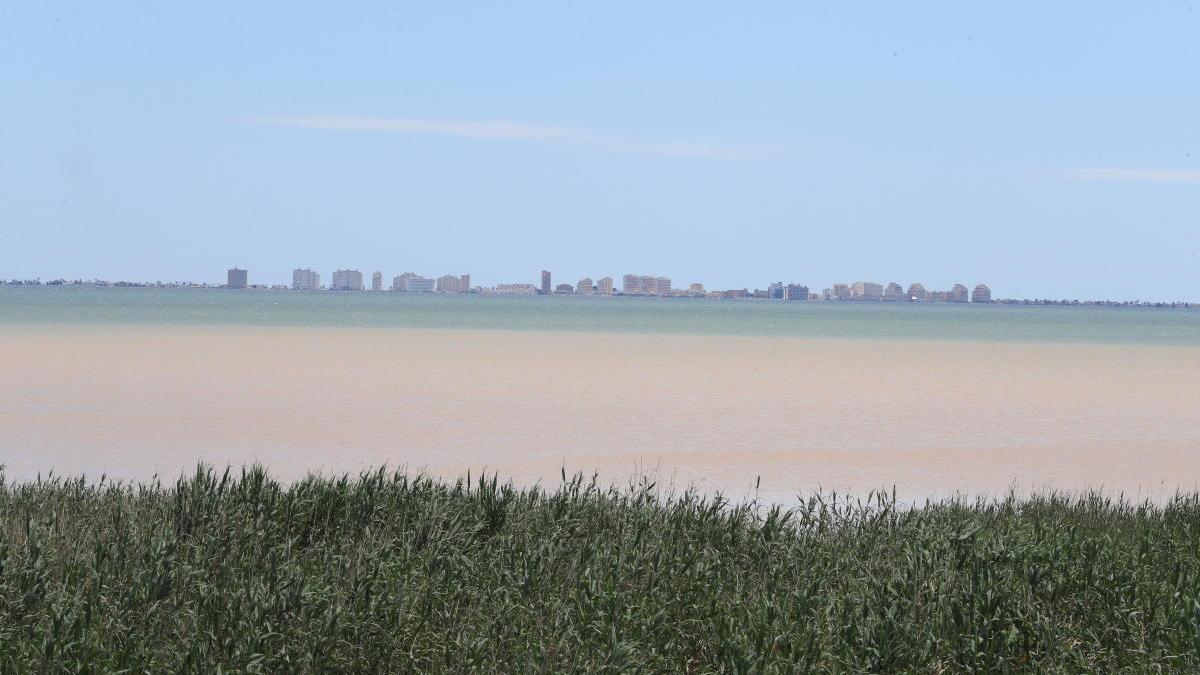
x=391 y=573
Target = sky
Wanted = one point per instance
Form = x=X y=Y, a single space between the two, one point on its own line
x=1046 y=149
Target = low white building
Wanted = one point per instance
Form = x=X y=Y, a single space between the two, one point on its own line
x=515 y=289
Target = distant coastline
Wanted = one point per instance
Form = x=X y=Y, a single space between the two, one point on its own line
x=742 y=294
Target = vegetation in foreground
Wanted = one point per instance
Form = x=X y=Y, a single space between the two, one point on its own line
x=392 y=573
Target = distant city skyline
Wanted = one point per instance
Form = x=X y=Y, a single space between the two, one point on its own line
x=1050 y=149
x=632 y=285
x=310 y=278
x=352 y=279
x=306 y=279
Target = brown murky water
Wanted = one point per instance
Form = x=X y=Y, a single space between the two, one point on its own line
x=930 y=418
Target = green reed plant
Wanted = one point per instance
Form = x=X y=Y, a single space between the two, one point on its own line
x=387 y=572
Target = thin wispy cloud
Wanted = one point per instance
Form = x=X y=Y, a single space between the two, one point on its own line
x=1137 y=175
x=513 y=131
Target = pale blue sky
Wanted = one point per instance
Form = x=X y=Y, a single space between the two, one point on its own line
x=1048 y=149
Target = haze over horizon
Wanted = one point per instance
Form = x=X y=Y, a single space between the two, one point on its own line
x=1048 y=151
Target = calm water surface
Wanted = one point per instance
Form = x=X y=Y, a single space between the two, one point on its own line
x=1000 y=323
x=723 y=395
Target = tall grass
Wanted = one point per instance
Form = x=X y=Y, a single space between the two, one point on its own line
x=387 y=572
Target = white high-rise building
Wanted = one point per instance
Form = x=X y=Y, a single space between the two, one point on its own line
x=867 y=290
x=604 y=286
x=305 y=280
x=795 y=292
x=377 y=281
x=958 y=294
x=981 y=294
x=236 y=278
x=646 y=285
x=411 y=282
x=452 y=284
x=346 y=280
